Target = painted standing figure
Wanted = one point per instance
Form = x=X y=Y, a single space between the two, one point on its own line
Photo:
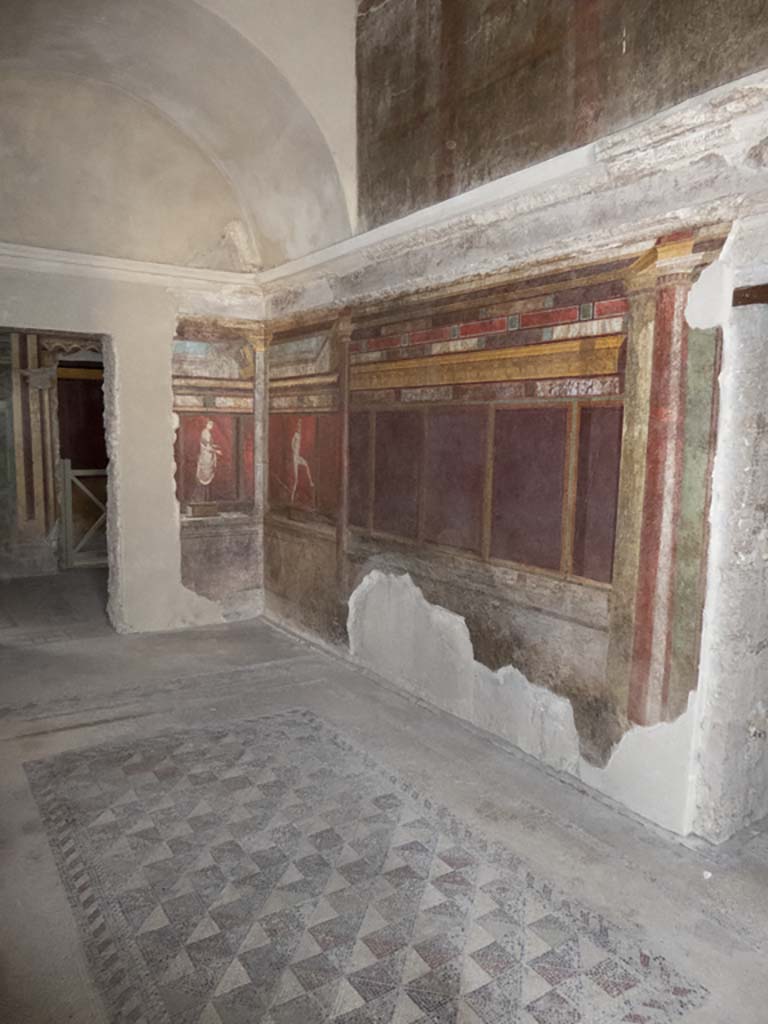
x=208 y=456
x=299 y=462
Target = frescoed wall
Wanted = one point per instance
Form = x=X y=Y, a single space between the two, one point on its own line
x=305 y=478
x=215 y=462
x=215 y=400
x=305 y=463
x=519 y=449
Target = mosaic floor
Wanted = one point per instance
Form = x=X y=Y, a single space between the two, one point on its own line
x=270 y=872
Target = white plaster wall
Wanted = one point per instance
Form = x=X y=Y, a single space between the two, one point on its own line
x=427 y=651
x=143 y=531
x=730 y=761
x=313 y=45
x=87 y=168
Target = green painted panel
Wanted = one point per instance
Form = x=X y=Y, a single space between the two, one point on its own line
x=691 y=535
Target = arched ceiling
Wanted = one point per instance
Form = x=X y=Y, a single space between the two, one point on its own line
x=88 y=168
x=313 y=45
x=215 y=88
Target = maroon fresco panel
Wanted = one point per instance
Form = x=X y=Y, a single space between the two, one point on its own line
x=277 y=469
x=454 y=469
x=81 y=423
x=528 y=483
x=292 y=484
x=223 y=487
x=327 y=468
x=597 y=492
x=399 y=437
x=359 y=467
x=248 y=485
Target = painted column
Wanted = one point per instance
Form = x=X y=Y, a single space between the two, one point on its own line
x=343 y=336
x=641 y=289
x=661 y=498
x=664 y=496
x=259 y=341
x=662 y=504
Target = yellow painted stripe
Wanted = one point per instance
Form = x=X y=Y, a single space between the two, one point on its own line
x=581 y=357
x=79 y=373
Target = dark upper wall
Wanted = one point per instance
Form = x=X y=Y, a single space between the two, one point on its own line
x=455 y=93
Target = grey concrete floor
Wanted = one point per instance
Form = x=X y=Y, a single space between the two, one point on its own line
x=67 y=681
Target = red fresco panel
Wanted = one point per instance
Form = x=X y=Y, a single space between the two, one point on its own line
x=277 y=467
x=246 y=443
x=359 y=468
x=597 y=492
x=454 y=467
x=327 y=467
x=291 y=472
x=545 y=317
x=611 y=307
x=483 y=327
x=206 y=469
x=528 y=482
x=431 y=334
x=399 y=437
x=377 y=343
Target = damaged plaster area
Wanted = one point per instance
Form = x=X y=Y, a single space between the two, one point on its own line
x=427 y=651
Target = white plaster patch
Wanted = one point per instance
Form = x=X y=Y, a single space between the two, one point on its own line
x=427 y=651
x=649 y=771
x=710 y=298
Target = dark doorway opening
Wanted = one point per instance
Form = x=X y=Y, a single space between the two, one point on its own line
x=83 y=460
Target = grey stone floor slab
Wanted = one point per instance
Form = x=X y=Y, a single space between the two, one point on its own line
x=703 y=910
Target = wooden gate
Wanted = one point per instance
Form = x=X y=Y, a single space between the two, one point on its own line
x=84 y=516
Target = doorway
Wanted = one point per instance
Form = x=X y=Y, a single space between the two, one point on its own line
x=53 y=484
x=82 y=460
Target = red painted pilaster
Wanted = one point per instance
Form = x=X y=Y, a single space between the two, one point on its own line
x=651 y=645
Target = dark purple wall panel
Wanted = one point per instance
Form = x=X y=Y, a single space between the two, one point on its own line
x=597 y=492
x=359 y=467
x=399 y=437
x=81 y=423
x=528 y=483
x=328 y=463
x=454 y=477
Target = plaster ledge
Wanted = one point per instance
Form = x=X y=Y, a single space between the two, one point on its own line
x=82 y=264
x=427 y=651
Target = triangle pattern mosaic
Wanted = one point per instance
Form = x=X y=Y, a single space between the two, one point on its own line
x=270 y=872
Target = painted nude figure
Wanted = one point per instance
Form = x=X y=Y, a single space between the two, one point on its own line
x=299 y=462
x=208 y=456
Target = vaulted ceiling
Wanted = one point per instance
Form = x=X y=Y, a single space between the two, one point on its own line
x=218 y=133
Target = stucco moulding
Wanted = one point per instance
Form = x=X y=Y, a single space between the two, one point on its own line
x=78 y=264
